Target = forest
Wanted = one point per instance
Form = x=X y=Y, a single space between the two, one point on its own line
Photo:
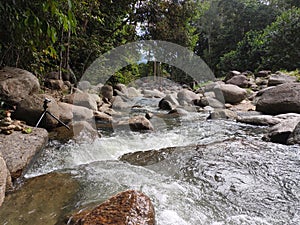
x=67 y=36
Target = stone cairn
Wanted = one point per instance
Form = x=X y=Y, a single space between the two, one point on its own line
x=7 y=125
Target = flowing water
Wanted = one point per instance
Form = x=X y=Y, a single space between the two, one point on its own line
x=221 y=173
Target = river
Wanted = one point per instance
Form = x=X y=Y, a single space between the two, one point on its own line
x=218 y=173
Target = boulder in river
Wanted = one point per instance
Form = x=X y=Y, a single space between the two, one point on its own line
x=239 y=80
x=3 y=178
x=232 y=93
x=16 y=84
x=80 y=131
x=136 y=124
x=19 y=149
x=262 y=120
x=284 y=98
x=280 y=78
x=186 y=97
x=294 y=137
x=128 y=207
x=41 y=200
x=281 y=132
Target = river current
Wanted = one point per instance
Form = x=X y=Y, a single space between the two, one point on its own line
x=218 y=173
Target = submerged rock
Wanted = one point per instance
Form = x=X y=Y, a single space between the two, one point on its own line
x=128 y=207
x=40 y=200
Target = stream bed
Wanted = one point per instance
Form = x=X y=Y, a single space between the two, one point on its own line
x=210 y=172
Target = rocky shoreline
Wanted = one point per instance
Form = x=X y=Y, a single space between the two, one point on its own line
x=262 y=99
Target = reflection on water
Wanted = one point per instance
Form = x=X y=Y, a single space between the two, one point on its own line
x=226 y=177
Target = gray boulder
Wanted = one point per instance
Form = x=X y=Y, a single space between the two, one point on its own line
x=222 y=114
x=263 y=73
x=31 y=108
x=3 y=178
x=294 y=137
x=261 y=120
x=280 y=78
x=165 y=105
x=80 y=131
x=136 y=124
x=186 y=97
x=133 y=92
x=107 y=92
x=232 y=93
x=68 y=113
x=231 y=74
x=82 y=99
x=281 y=132
x=283 y=98
x=19 y=149
x=55 y=84
x=16 y=84
x=239 y=80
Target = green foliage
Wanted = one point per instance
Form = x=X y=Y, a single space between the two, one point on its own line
x=282 y=42
x=276 y=47
x=225 y=24
x=31 y=33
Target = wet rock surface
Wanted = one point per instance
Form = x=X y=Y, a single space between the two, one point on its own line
x=19 y=149
x=31 y=204
x=128 y=207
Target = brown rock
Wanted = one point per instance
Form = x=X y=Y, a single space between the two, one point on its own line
x=107 y=92
x=136 y=123
x=128 y=207
x=19 y=149
x=16 y=84
x=55 y=84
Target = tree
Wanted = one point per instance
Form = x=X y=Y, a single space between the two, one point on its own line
x=276 y=47
x=33 y=33
x=170 y=21
x=225 y=23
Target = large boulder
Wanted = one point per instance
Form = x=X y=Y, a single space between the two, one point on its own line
x=186 y=96
x=83 y=99
x=80 y=131
x=280 y=78
x=294 y=137
x=68 y=112
x=231 y=74
x=165 y=105
x=262 y=120
x=239 y=80
x=232 y=93
x=107 y=92
x=281 y=132
x=41 y=200
x=16 y=84
x=128 y=207
x=283 y=98
x=3 y=178
x=31 y=108
x=136 y=124
x=19 y=149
